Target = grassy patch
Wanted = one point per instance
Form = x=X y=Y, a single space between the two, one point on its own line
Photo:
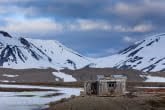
x=157 y=103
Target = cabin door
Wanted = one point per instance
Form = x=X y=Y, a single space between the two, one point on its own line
x=111 y=87
x=94 y=88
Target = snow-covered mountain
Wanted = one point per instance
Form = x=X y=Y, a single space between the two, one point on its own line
x=146 y=55
x=21 y=53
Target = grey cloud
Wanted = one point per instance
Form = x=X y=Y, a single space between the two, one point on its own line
x=109 y=21
x=127 y=12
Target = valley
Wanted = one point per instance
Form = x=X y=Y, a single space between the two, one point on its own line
x=37 y=73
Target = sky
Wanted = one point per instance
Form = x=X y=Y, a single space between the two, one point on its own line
x=94 y=28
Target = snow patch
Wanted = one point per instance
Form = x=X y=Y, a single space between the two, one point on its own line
x=6 y=81
x=155 y=79
x=10 y=75
x=65 y=77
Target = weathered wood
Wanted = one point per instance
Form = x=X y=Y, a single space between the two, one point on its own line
x=107 y=86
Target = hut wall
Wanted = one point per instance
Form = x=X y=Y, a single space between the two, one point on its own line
x=102 y=89
x=105 y=87
x=87 y=88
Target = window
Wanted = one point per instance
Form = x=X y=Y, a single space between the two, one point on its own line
x=111 y=84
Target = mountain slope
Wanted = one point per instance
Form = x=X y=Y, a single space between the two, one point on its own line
x=23 y=53
x=61 y=54
x=20 y=53
x=146 y=55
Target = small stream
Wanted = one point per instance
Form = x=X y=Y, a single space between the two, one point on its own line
x=33 y=100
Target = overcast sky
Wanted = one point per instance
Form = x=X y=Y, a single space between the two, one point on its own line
x=94 y=28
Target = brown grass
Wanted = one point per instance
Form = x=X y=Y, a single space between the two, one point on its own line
x=145 y=102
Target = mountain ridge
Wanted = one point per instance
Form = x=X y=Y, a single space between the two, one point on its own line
x=146 y=55
x=21 y=53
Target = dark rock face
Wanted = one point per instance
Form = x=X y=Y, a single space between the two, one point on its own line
x=13 y=53
x=135 y=52
x=25 y=42
x=72 y=63
x=132 y=47
x=149 y=68
x=5 y=34
x=6 y=53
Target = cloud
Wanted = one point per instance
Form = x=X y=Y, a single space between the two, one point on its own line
x=71 y=8
x=128 y=10
x=7 y=10
x=128 y=39
x=103 y=25
x=143 y=28
x=47 y=26
x=32 y=27
x=136 y=28
x=86 y=25
x=141 y=9
x=103 y=9
x=118 y=12
x=94 y=25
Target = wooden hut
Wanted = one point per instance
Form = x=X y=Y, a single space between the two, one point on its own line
x=106 y=86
